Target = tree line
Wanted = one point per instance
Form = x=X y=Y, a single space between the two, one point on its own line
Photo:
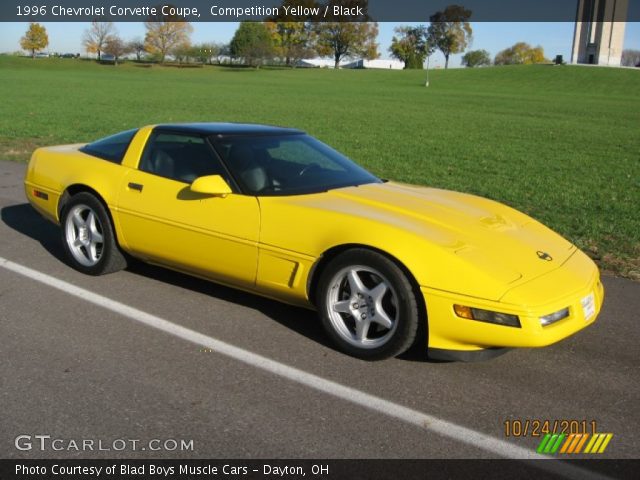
x=255 y=43
x=284 y=37
x=289 y=41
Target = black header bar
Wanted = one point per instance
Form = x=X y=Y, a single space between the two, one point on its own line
x=316 y=469
x=303 y=10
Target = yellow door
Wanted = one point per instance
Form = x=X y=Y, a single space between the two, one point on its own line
x=161 y=220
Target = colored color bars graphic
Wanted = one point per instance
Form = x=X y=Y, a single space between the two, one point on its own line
x=553 y=443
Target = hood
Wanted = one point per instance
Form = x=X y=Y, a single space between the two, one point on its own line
x=507 y=245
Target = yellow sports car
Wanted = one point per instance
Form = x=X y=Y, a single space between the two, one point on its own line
x=276 y=212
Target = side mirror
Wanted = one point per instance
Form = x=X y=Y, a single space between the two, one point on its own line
x=211 y=185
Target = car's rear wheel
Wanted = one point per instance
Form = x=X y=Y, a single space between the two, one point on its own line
x=88 y=238
x=367 y=305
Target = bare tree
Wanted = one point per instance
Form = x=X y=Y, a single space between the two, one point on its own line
x=137 y=46
x=95 y=37
x=630 y=58
x=117 y=47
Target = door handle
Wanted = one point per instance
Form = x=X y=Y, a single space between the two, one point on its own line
x=135 y=186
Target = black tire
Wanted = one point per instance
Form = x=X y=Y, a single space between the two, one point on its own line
x=90 y=247
x=337 y=300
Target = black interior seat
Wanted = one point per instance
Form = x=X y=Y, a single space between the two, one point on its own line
x=162 y=163
x=195 y=161
x=242 y=159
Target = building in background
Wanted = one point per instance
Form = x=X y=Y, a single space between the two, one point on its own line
x=598 y=38
x=318 y=63
x=379 y=63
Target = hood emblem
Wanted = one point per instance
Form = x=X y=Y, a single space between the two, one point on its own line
x=544 y=256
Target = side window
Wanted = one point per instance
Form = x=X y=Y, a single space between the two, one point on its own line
x=180 y=157
x=110 y=148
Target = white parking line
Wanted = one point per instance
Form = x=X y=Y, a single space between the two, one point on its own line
x=422 y=420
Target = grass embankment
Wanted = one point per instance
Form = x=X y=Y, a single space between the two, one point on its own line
x=559 y=143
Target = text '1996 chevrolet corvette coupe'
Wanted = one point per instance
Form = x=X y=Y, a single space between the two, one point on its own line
x=276 y=212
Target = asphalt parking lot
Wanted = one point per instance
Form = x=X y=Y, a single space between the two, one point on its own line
x=73 y=369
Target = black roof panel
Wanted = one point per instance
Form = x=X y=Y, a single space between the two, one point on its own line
x=229 y=129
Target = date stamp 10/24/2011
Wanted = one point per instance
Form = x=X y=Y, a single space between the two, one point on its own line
x=537 y=427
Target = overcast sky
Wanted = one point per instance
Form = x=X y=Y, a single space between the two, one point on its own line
x=556 y=38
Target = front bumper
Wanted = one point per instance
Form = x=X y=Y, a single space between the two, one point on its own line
x=563 y=287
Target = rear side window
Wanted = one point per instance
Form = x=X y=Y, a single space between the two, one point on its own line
x=111 y=148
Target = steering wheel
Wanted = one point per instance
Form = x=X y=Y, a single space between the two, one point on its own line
x=309 y=168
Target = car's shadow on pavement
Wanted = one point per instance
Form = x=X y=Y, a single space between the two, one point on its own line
x=24 y=219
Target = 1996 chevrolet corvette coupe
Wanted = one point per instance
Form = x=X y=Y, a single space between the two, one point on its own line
x=276 y=212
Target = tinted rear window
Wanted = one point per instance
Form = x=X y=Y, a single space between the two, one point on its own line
x=110 y=148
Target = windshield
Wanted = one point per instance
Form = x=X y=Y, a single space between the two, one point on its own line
x=287 y=164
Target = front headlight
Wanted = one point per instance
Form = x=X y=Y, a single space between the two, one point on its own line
x=554 y=317
x=488 y=316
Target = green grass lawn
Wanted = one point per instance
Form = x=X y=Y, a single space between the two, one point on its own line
x=559 y=143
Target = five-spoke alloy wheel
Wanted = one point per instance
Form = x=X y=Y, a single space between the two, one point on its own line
x=367 y=305
x=88 y=238
x=83 y=232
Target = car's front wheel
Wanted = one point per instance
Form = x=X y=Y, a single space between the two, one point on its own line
x=367 y=305
x=88 y=238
